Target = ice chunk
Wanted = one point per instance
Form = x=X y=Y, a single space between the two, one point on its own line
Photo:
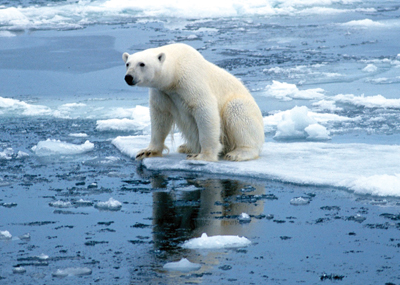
x=78 y=135
x=216 y=242
x=72 y=271
x=6 y=154
x=19 y=270
x=300 y=201
x=287 y=92
x=139 y=121
x=244 y=218
x=377 y=101
x=297 y=124
x=57 y=147
x=110 y=205
x=25 y=237
x=183 y=265
x=22 y=154
x=366 y=23
x=60 y=204
x=16 y=106
x=370 y=68
x=317 y=132
x=5 y=235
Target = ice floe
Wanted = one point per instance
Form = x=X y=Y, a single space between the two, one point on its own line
x=286 y=92
x=72 y=271
x=110 y=205
x=182 y=265
x=139 y=121
x=308 y=163
x=297 y=124
x=5 y=235
x=216 y=242
x=57 y=147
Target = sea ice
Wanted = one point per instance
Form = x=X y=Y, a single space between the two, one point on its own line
x=19 y=270
x=299 y=201
x=139 y=121
x=57 y=147
x=244 y=218
x=307 y=163
x=297 y=124
x=366 y=23
x=72 y=271
x=286 y=92
x=370 y=68
x=6 y=154
x=5 y=235
x=60 y=204
x=183 y=265
x=78 y=135
x=110 y=205
x=216 y=242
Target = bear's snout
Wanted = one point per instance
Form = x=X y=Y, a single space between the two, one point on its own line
x=129 y=79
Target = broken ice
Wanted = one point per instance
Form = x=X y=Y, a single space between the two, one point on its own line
x=216 y=242
x=110 y=205
x=183 y=265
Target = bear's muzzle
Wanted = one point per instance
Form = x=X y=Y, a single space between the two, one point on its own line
x=129 y=80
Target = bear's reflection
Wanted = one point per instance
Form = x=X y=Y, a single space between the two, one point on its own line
x=187 y=207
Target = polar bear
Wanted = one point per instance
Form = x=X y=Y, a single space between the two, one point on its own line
x=214 y=111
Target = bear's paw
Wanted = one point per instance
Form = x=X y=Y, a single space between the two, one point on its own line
x=144 y=153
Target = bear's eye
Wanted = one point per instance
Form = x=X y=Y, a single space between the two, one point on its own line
x=142 y=64
x=127 y=65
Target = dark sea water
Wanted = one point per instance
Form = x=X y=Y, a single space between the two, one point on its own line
x=71 y=197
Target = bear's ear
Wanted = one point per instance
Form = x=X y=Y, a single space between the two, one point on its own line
x=161 y=57
x=125 y=56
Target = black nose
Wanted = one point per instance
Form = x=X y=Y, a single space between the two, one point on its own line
x=129 y=79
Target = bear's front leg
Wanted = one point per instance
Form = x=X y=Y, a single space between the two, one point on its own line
x=161 y=123
x=208 y=123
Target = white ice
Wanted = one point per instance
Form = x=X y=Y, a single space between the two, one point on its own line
x=139 y=120
x=287 y=92
x=183 y=265
x=244 y=218
x=60 y=204
x=299 y=201
x=72 y=271
x=8 y=154
x=297 y=124
x=364 y=168
x=110 y=205
x=57 y=147
x=5 y=235
x=75 y=14
x=216 y=242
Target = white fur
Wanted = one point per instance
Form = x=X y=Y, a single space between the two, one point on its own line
x=214 y=111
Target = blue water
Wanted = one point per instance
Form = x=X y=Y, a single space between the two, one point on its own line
x=69 y=52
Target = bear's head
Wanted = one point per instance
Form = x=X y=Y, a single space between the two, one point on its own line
x=144 y=68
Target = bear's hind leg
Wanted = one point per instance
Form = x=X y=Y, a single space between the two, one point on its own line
x=243 y=130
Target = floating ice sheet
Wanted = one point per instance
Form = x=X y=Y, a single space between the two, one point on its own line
x=363 y=168
x=216 y=242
